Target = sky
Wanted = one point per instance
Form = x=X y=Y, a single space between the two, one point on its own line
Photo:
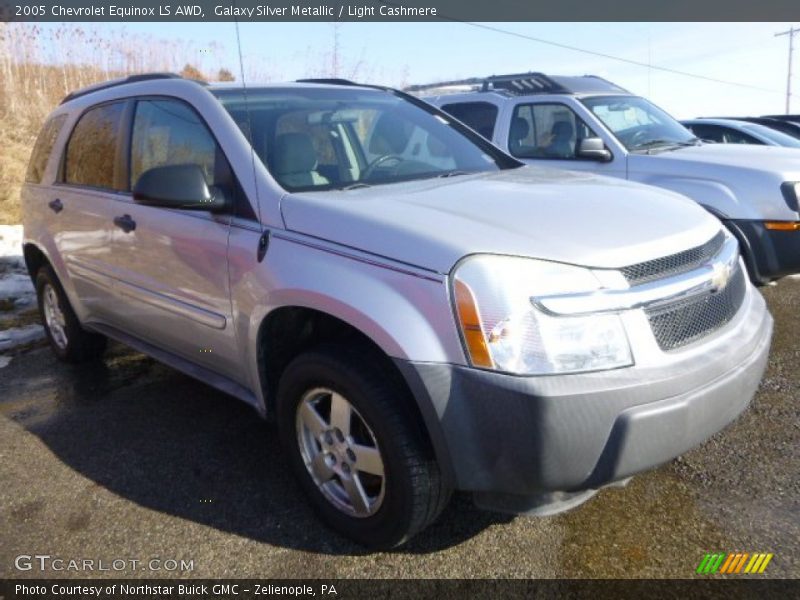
x=396 y=54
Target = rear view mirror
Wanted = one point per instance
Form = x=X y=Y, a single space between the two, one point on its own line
x=178 y=186
x=593 y=148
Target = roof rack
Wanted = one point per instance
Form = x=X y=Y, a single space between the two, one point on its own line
x=329 y=81
x=104 y=85
x=523 y=84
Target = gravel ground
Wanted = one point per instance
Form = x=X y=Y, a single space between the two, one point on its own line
x=132 y=460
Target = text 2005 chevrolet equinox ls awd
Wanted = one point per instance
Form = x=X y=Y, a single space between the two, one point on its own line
x=417 y=311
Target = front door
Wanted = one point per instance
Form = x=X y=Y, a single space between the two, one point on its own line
x=548 y=134
x=172 y=264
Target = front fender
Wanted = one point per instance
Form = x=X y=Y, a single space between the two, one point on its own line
x=715 y=196
x=404 y=311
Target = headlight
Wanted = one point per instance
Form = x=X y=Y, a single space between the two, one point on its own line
x=502 y=330
x=791 y=193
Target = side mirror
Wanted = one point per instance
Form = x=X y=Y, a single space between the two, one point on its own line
x=593 y=148
x=178 y=186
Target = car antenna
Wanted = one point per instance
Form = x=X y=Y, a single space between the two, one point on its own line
x=263 y=241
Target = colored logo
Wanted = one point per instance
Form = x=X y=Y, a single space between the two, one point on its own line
x=720 y=562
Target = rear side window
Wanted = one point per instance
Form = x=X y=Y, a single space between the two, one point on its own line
x=91 y=151
x=480 y=116
x=43 y=148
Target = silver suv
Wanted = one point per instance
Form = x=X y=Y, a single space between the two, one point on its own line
x=590 y=124
x=418 y=311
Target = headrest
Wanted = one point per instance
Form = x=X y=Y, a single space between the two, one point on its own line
x=519 y=129
x=294 y=153
x=562 y=129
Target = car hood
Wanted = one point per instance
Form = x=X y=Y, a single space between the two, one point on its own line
x=541 y=213
x=774 y=159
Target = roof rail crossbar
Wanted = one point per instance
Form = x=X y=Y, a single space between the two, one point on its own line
x=104 y=85
x=327 y=80
x=524 y=83
x=472 y=81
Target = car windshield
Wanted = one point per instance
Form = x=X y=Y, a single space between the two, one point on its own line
x=638 y=124
x=321 y=138
x=776 y=136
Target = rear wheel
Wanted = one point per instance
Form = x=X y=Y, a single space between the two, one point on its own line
x=70 y=342
x=357 y=449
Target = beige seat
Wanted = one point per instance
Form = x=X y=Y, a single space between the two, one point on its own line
x=295 y=161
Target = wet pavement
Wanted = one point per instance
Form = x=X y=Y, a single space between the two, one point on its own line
x=130 y=460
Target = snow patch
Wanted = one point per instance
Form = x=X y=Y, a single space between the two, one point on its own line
x=15 y=285
x=16 y=291
x=11 y=241
x=16 y=336
x=4 y=360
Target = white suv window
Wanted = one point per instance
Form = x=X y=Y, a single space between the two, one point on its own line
x=546 y=131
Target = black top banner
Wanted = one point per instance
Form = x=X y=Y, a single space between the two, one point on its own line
x=398 y=10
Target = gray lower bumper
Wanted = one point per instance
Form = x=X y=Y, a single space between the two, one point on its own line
x=531 y=436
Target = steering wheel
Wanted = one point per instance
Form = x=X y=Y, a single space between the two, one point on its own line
x=371 y=167
x=638 y=137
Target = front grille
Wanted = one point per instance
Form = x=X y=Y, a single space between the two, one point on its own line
x=688 y=320
x=673 y=264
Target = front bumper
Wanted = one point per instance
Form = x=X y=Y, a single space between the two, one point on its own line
x=538 y=437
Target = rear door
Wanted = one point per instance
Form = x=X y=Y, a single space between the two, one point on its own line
x=81 y=202
x=172 y=264
x=480 y=115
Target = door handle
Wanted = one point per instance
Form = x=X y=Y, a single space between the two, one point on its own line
x=56 y=205
x=125 y=222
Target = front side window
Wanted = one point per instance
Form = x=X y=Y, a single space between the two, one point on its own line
x=92 y=147
x=43 y=148
x=316 y=138
x=170 y=132
x=707 y=133
x=639 y=125
x=546 y=131
x=481 y=116
x=167 y=132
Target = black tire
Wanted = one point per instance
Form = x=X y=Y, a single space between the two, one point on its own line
x=79 y=345
x=414 y=491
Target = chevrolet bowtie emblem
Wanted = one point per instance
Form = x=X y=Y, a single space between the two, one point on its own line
x=720 y=275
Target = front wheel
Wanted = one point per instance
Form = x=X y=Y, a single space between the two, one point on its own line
x=356 y=449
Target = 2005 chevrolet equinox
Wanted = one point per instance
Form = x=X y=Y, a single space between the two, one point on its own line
x=418 y=311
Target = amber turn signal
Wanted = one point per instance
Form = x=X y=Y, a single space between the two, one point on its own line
x=471 y=326
x=782 y=225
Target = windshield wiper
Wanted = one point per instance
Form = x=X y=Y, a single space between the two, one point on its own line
x=652 y=145
x=454 y=173
x=354 y=186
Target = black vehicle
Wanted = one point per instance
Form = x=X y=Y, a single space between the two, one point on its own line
x=773 y=122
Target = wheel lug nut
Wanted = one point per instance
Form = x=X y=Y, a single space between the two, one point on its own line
x=345 y=467
x=339 y=435
x=328 y=438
